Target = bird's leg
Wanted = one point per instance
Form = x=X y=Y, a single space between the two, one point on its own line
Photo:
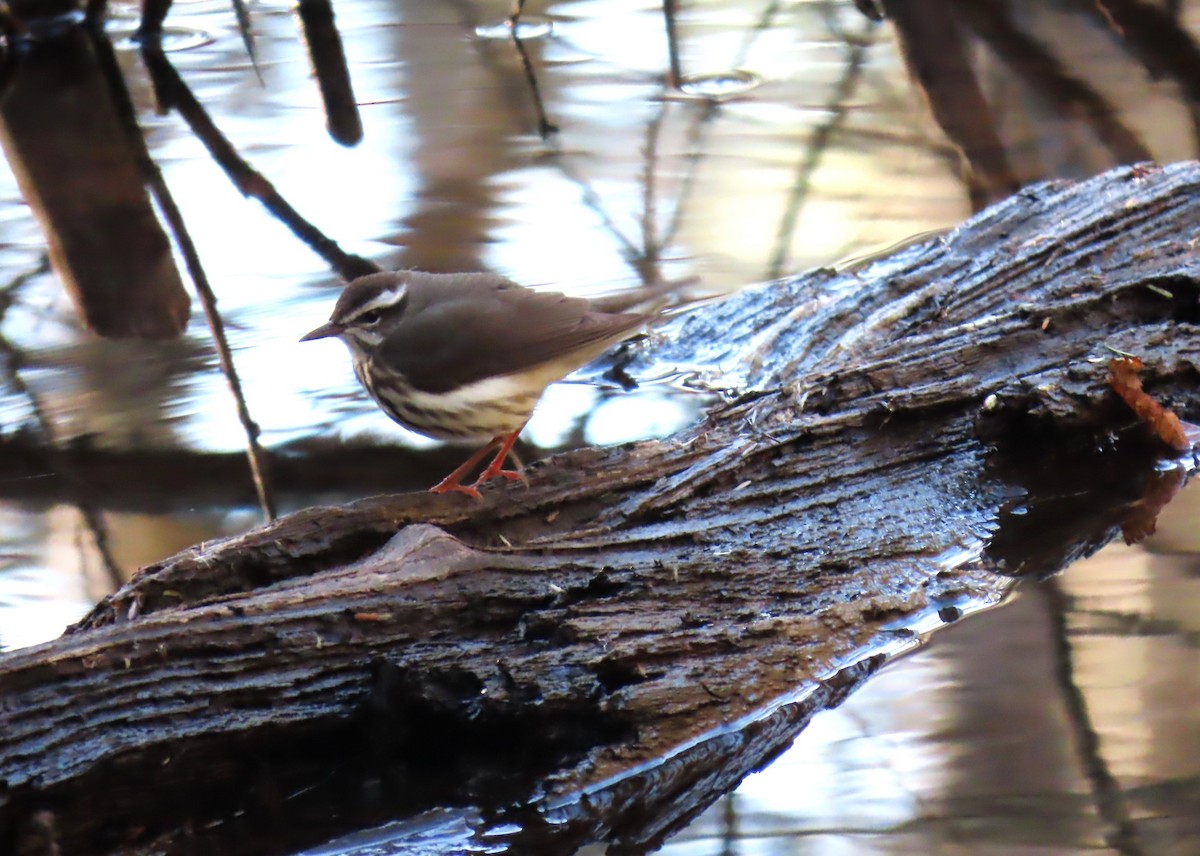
x=453 y=482
x=520 y=465
x=496 y=467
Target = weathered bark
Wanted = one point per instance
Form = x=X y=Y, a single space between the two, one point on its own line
x=615 y=645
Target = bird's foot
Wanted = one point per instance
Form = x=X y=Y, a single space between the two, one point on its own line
x=496 y=468
x=489 y=474
x=451 y=485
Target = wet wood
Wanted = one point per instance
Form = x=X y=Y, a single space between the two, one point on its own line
x=600 y=654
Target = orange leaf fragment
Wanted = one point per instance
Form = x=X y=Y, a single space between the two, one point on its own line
x=372 y=616
x=1141 y=520
x=1123 y=378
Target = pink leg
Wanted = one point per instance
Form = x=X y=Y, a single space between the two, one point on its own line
x=453 y=482
x=496 y=468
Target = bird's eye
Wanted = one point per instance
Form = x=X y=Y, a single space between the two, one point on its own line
x=370 y=318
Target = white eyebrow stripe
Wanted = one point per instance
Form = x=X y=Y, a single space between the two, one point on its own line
x=385 y=299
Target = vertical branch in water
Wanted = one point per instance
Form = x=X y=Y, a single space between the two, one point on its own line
x=1110 y=802
x=183 y=239
x=327 y=54
x=672 y=43
x=514 y=17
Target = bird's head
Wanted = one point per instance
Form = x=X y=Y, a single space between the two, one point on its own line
x=368 y=309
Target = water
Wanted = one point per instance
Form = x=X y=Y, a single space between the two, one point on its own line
x=974 y=745
x=794 y=139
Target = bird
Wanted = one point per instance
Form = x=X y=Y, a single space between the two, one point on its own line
x=465 y=357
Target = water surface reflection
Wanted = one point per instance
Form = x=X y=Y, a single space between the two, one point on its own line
x=971 y=743
x=1062 y=723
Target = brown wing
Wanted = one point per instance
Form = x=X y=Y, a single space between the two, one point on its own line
x=461 y=328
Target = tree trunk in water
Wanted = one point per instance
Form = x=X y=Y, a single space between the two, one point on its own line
x=603 y=653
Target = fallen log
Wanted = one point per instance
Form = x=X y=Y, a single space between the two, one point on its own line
x=601 y=654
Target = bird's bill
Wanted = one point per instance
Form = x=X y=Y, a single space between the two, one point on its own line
x=322 y=332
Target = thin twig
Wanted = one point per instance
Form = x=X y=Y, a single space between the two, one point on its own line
x=545 y=126
x=729 y=824
x=243 y=21
x=153 y=177
x=173 y=92
x=254 y=452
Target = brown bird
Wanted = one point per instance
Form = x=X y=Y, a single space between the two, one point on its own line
x=464 y=357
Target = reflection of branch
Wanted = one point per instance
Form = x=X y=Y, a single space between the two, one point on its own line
x=545 y=126
x=819 y=141
x=1044 y=74
x=651 y=246
x=92 y=517
x=765 y=24
x=729 y=824
x=591 y=199
x=1109 y=800
x=1163 y=46
x=939 y=61
x=173 y=92
x=154 y=12
x=1156 y=38
x=642 y=259
x=166 y=202
x=243 y=21
x=1133 y=625
x=706 y=113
